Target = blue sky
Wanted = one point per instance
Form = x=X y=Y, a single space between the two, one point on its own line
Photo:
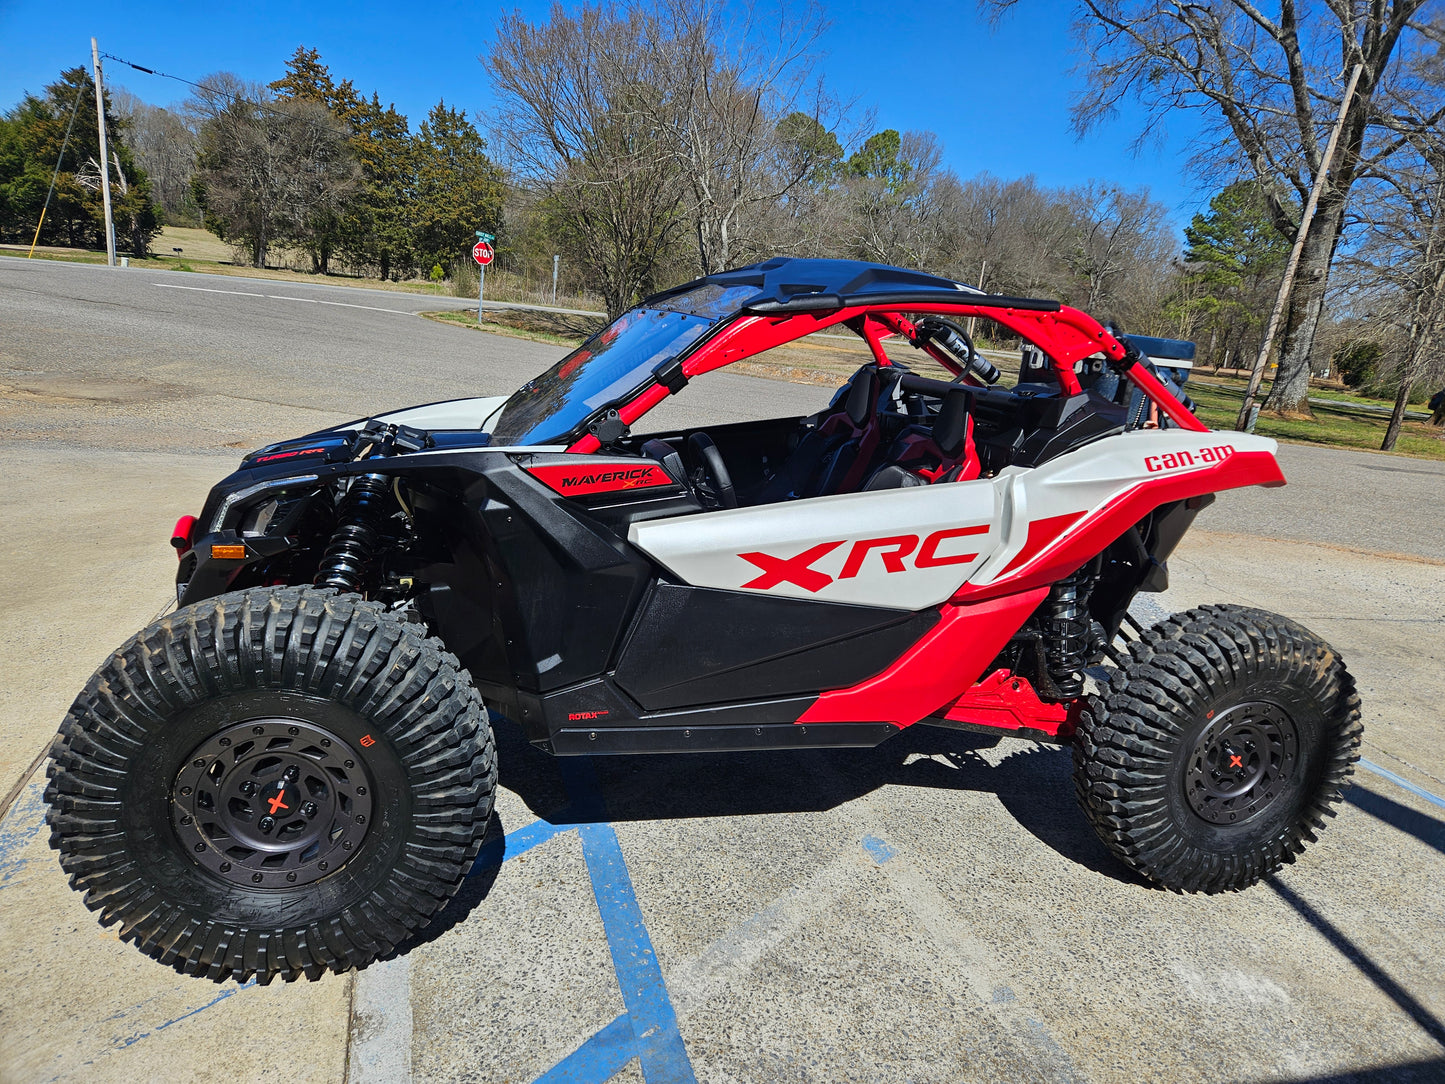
x=998 y=99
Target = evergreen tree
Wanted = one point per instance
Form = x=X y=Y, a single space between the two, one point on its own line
x=30 y=143
x=1235 y=243
x=458 y=188
x=378 y=230
x=307 y=79
x=879 y=159
x=1233 y=261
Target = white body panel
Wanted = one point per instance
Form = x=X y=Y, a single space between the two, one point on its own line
x=1088 y=479
x=707 y=550
x=914 y=548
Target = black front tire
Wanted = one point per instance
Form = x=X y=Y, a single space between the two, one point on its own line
x=1219 y=749
x=272 y=782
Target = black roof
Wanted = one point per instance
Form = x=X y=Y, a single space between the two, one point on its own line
x=802 y=285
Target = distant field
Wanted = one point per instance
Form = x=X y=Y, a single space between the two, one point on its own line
x=195 y=244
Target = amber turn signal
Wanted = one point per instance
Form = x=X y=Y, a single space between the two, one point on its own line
x=228 y=553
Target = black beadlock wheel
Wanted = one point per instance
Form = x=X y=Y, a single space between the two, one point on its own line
x=272 y=782
x=1217 y=751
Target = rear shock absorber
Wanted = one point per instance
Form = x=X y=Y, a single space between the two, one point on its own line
x=1067 y=629
x=353 y=544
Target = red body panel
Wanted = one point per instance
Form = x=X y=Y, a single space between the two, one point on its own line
x=1058 y=546
x=183 y=535
x=936 y=670
x=603 y=476
x=1009 y=702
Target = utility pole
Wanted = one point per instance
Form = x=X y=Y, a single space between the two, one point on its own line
x=104 y=155
x=1248 y=412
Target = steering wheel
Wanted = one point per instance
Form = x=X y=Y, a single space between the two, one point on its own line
x=711 y=470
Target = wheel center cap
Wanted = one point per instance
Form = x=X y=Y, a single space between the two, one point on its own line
x=272 y=803
x=1241 y=762
x=276 y=802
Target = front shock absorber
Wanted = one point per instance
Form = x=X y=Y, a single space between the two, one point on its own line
x=1068 y=632
x=353 y=544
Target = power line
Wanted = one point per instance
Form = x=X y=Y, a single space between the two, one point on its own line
x=227 y=94
x=152 y=71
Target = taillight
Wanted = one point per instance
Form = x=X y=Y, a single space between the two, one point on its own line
x=183 y=535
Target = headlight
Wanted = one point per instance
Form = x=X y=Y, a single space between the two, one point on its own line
x=257 y=520
x=300 y=482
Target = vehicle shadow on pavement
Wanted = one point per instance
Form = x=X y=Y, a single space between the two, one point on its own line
x=1427 y=829
x=1384 y=982
x=1416 y=1072
x=1034 y=783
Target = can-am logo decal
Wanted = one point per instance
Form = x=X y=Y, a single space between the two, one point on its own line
x=581 y=479
x=1178 y=460
x=892 y=552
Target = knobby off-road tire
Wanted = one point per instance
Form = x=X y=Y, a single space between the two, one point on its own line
x=272 y=782
x=1219 y=749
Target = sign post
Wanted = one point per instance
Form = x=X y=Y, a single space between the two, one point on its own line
x=483 y=253
x=556 y=260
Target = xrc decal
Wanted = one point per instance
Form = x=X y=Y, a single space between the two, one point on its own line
x=892 y=551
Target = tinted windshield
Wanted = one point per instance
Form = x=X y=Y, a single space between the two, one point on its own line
x=613 y=363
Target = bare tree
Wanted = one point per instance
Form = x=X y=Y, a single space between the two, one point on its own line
x=730 y=80
x=903 y=202
x=265 y=167
x=1021 y=230
x=581 y=96
x=1123 y=254
x=1271 y=88
x=1401 y=263
x=165 y=147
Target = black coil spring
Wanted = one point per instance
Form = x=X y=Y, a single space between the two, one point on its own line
x=353 y=544
x=1066 y=629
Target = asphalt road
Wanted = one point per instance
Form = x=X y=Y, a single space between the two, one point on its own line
x=934 y=909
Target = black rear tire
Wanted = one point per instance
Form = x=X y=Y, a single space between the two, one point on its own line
x=272 y=782
x=1218 y=749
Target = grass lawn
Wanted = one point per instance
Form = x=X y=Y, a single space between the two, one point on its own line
x=1218 y=401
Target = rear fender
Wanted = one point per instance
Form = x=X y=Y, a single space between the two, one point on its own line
x=1059 y=515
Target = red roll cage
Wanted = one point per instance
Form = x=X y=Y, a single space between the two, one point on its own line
x=1065 y=335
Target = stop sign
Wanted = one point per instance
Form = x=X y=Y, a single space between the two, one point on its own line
x=483 y=253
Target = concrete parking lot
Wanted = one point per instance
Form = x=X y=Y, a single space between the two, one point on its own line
x=935 y=909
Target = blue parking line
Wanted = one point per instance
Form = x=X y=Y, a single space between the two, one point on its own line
x=598 y=1059
x=878 y=849
x=1399 y=781
x=521 y=841
x=654 y=1022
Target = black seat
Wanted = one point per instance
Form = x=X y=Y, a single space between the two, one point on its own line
x=923 y=454
x=827 y=450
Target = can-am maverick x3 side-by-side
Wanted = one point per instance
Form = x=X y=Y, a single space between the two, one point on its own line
x=294 y=770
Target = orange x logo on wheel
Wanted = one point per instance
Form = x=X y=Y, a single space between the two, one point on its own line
x=277 y=803
x=1235 y=761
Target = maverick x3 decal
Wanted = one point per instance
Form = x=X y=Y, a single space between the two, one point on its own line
x=585 y=478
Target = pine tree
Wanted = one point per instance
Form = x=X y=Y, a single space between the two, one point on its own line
x=458 y=188
x=30 y=144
